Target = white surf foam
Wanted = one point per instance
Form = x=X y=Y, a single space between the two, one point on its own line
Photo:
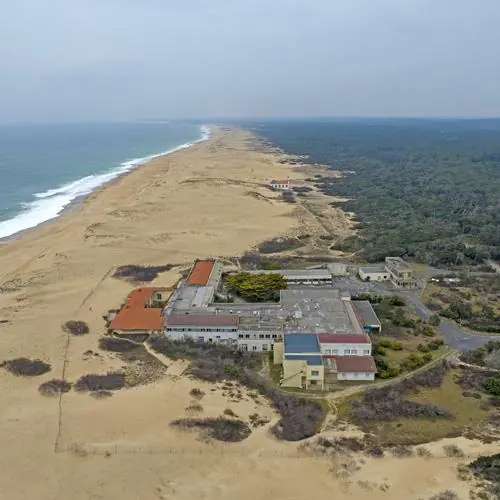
x=49 y=204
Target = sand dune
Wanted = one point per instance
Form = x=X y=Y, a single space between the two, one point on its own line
x=209 y=200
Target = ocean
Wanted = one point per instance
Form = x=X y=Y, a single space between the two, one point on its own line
x=44 y=168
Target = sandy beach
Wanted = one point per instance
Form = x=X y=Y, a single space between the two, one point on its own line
x=209 y=200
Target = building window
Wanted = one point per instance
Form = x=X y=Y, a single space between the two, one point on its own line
x=367 y=374
x=356 y=375
x=366 y=351
x=218 y=337
x=335 y=351
x=240 y=336
x=264 y=347
x=354 y=351
x=347 y=351
x=254 y=348
x=247 y=336
x=261 y=336
x=274 y=336
x=200 y=339
x=268 y=336
x=244 y=347
x=315 y=373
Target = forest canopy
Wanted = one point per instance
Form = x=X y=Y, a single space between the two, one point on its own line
x=427 y=190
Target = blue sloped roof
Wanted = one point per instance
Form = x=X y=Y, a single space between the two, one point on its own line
x=311 y=360
x=298 y=343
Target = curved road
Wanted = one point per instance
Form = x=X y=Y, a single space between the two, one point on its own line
x=455 y=337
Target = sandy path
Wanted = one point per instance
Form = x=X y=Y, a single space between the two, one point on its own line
x=208 y=200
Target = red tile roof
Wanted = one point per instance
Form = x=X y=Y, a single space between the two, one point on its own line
x=355 y=364
x=138 y=318
x=280 y=182
x=200 y=273
x=140 y=296
x=344 y=338
x=202 y=320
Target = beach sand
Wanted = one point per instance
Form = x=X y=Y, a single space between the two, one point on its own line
x=208 y=200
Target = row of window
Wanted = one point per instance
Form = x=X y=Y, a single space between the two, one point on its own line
x=261 y=336
x=244 y=347
x=226 y=330
x=348 y=352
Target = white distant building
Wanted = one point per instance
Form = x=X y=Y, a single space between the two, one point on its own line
x=280 y=185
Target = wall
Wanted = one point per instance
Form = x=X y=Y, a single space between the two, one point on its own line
x=183 y=334
x=341 y=348
x=381 y=276
x=356 y=376
x=293 y=371
x=319 y=378
x=255 y=345
x=278 y=353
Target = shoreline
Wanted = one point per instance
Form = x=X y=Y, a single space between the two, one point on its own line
x=172 y=210
x=127 y=166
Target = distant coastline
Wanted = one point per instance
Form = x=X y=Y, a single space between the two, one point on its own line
x=52 y=203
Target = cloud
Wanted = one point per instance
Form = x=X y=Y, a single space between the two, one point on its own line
x=123 y=59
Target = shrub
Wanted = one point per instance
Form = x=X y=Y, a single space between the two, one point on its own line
x=197 y=393
x=76 y=328
x=141 y=273
x=396 y=346
x=453 y=451
x=114 y=344
x=222 y=429
x=423 y=452
x=268 y=265
x=434 y=320
x=395 y=300
x=101 y=394
x=385 y=343
x=112 y=381
x=194 y=408
x=492 y=385
x=380 y=351
x=423 y=348
x=230 y=413
x=54 y=387
x=24 y=367
x=402 y=451
x=277 y=245
x=256 y=287
x=427 y=357
x=258 y=421
x=445 y=495
x=428 y=332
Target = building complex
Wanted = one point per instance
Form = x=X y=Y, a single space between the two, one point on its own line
x=395 y=270
x=311 y=329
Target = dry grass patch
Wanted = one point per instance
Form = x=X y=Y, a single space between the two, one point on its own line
x=221 y=429
x=76 y=328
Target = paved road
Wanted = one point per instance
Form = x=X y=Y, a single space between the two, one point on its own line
x=455 y=337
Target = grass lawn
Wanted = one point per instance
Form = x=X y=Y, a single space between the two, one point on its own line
x=467 y=411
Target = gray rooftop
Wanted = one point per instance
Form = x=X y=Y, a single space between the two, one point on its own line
x=318 y=311
x=380 y=268
x=302 y=273
x=365 y=313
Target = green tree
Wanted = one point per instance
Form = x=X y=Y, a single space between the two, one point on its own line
x=256 y=287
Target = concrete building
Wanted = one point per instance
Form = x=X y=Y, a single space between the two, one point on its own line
x=280 y=185
x=401 y=273
x=338 y=269
x=318 y=361
x=301 y=276
x=302 y=363
x=366 y=316
x=373 y=273
x=202 y=328
x=345 y=344
x=395 y=270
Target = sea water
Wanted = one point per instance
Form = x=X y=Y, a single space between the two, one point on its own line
x=44 y=168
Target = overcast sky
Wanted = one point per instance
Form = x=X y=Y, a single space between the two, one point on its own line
x=78 y=60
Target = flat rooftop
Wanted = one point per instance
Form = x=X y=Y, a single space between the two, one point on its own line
x=373 y=269
x=318 y=311
x=398 y=263
x=299 y=273
x=365 y=313
x=300 y=343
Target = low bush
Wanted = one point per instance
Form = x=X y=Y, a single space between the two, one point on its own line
x=402 y=451
x=101 y=394
x=194 y=408
x=423 y=348
x=388 y=403
x=76 y=327
x=221 y=429
x=453 y=451
x=141 y=273
x=445 y=495
x=230 y=413
x=112 y=381
x=24 y=367
x=300 y=418
x=114 y=344
x=256 y=287
x=488 y=468
x=54 y=387
x=386 y=343
x=257 y=421
x=423 y=452
x=277 y=245
x=435 y=320
x=492 y=385
x=197 y=393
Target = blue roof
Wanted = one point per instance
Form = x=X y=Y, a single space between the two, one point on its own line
x=298 y=343
x=311 y=360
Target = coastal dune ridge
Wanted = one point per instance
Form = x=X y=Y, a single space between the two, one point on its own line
x=51 y=203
